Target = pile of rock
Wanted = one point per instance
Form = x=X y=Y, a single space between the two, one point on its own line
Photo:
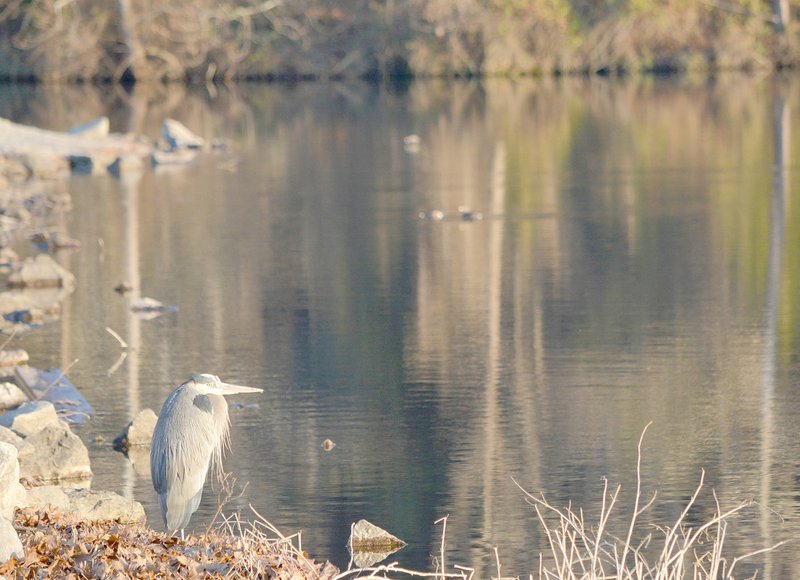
x=40 y=153
x=41 y=451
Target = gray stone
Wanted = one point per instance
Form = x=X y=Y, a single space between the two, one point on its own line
x=41 y=272
x=366 y=533
x=30 y=417
x=139 y=432
x=370 y=544
x=48 y=497
x=178 y=136
x=12 y=494
x=59 y=455
x=105 y=506
x=10 y=546
x=94 y=129
x=11 y=396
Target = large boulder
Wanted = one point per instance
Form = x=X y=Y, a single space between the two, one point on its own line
x=30 y=417
x=10 y=546
x=105 y=506
x=12 y=494
x=60 y=454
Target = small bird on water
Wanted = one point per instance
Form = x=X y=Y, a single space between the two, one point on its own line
x=191 y=433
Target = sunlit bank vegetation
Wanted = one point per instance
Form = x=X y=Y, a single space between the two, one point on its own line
x=202 y=39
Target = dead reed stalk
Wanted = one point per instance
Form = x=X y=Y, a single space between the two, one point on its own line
x=581 y=550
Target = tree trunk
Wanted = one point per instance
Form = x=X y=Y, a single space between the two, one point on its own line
x=133 y=65
x=781 y=14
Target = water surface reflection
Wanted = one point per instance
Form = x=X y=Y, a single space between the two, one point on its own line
x=635 y=263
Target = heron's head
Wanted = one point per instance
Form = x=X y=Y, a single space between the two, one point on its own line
x=211 y=385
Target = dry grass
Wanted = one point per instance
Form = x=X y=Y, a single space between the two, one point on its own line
x=579 y=549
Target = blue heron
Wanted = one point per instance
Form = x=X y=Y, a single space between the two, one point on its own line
x=191 y=433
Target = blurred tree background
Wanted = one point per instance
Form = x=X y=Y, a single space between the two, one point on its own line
x=231 y=39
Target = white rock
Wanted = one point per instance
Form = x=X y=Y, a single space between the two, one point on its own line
x=41 y=272
x=48 y=497
x=94 y=129
x=45 y=164
x=12 y=494
x=139 y=432
x=11 y=396
x=30 y=417
x=13 y=357
x=179 y=136
x=105 y=506
x=10 y=546
x=59 y=455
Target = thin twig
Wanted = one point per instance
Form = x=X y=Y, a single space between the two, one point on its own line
x=443 y=520
x=10 y=337
x=118 y=363
x=636 y=511
x=61 y=375
x=226 y=495
x=111 y=331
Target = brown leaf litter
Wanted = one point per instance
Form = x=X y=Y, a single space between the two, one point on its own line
x=58 y=545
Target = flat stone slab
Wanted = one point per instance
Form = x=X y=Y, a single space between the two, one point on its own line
x=105 y=506
x=55 y=387
x=47 y=497
x=87 y=504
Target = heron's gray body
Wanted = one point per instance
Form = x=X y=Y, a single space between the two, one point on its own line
x=190 y=435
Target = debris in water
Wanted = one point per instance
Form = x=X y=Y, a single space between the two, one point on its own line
x=148 y=308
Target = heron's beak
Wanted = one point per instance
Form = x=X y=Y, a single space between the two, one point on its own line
x=228 y=389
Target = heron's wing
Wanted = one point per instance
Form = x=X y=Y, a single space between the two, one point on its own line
x=184 y=440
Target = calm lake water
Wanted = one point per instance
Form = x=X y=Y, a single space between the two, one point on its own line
x=636 y=262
